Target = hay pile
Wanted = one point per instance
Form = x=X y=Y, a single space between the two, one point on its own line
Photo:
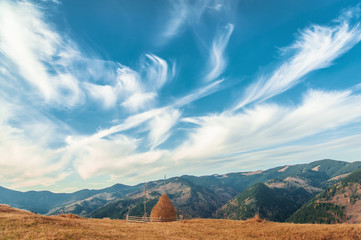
x=255 y=219
x=164 y=210
x=69 y=215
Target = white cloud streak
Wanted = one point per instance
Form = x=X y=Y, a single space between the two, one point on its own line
x=46 y=60
x=217 y=61
x=317 y=47
x=156 y=72
x=136 y=120
x=31 y=45
x=185 y=13
x=138 y=101
x=159 y=122
x=179 y=13
x=160 y=126
x=267 y=126
x=139 y=90
x=103 y=93
x=197 y=94
x=116 y=156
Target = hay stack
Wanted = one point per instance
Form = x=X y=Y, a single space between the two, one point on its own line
x=164 y=210
x=69 y=215
x=255 y=219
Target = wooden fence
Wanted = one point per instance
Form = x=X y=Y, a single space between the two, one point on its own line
x=134 y=219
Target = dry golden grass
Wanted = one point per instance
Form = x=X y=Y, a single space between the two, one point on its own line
x=16 y=224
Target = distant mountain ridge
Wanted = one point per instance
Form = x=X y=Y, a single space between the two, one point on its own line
x=44 y=201
x=193 y=196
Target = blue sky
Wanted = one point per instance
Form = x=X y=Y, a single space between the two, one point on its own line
x=94 y=93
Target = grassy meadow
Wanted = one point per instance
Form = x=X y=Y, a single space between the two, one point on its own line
x=18 y=224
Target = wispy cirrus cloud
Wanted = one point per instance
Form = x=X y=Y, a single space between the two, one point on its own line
x=139 y=89
x=316 y=47
x=198 y=93
x=231 y=135
x=105 y=94
x=161 y=125
x=185 y=13
x=119 y=85
x=217 y=60
x=34 y=50
x=179 y=13
x=139 y=100
x=39 y=67
x=45 y=60
x=158 y=123
x=132 y=90
x=156 y=71
x=266 y=126
x=115 y=155
x=33 y=78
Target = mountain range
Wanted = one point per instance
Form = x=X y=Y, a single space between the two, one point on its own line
x=276 y=194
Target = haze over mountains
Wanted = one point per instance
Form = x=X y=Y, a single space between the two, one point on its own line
x=274 y=194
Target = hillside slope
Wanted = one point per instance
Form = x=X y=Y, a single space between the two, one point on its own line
x=274 y=204
x=338 y=204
